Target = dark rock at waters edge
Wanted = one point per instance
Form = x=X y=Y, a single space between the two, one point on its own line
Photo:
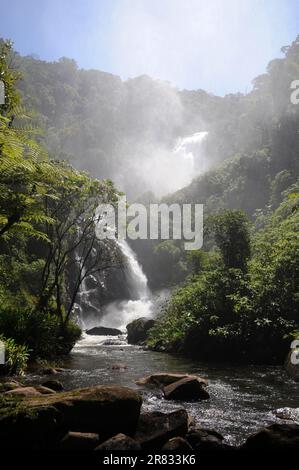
x=79 y=441
x=278 y=437
x=162 y=379
x=138 y=330
x=177 y=444
x=107 y=418
x=186 y=389
x=292 y=369
x=155 y=428
x=38 y=422
x=53 y=385
x=9 y=385
x=103 y=331
x=119 y=442
x=44 y=390
x=202 y=439
x=23 y=392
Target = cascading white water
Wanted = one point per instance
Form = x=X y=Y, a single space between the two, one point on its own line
x=137 y=280
x=119 y=313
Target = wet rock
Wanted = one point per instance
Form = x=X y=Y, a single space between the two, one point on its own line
x=187 y=389
x=119 y=442
x=23 y=392
x=177 y=444
x=35 y=421
x=79 y=441
x=53 y=385
x=162 y=379
x=156 y=428
x=274 y=437
x=201 y=439
x=44 y=390
x=11 y=385
x=291 y=414
x=138 y=330
x=103 y=331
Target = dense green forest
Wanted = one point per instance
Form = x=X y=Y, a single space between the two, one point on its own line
x=238 y=297
x=47 y=234
x=241 y=301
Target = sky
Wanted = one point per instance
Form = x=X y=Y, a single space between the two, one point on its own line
x=215 y=45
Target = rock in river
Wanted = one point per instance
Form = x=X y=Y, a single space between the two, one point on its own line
x=275 y=437
x=53 y=385
x=36 y=421
x=79 y=441
x=23 y=392
x=154 y=429
x=205 y=439
x=138 y=330
x=187 y=389
x=119 y=442
x=103 y=331
x=177 y=444
x=166 y=378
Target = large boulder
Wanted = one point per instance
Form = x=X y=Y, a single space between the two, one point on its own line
x=201 y=439
x=162 y=379
x=79 y=441
x=105 y=410
x=187 y=389
x=138 y=330
x=177 y=444
x=9 y=385
x=23 y=392
x=53 y=385
x=154 y=429
x=103 y=331
x=275 y=437
x=119 y=442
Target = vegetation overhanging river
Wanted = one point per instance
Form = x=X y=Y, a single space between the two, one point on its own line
x=242 y=397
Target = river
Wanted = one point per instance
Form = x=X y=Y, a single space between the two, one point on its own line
x=242 y=397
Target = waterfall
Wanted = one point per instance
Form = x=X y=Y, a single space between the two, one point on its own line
x=119 y=313
x=137 y=280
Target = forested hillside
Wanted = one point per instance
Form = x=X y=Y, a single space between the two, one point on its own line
x=241 y=300
x=239 y=292
x=118 y=129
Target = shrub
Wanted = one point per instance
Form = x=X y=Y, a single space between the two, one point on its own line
x=16 y=356
x=42 y=333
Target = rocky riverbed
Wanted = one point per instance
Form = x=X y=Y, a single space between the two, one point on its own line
x=240 y=401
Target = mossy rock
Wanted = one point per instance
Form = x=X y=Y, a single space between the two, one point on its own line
x=39 y=422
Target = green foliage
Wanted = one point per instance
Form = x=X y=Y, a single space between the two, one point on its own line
x=234 y=313
x=42 y=333
x=47 y=231
x=16 y=356
x=233 y=239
